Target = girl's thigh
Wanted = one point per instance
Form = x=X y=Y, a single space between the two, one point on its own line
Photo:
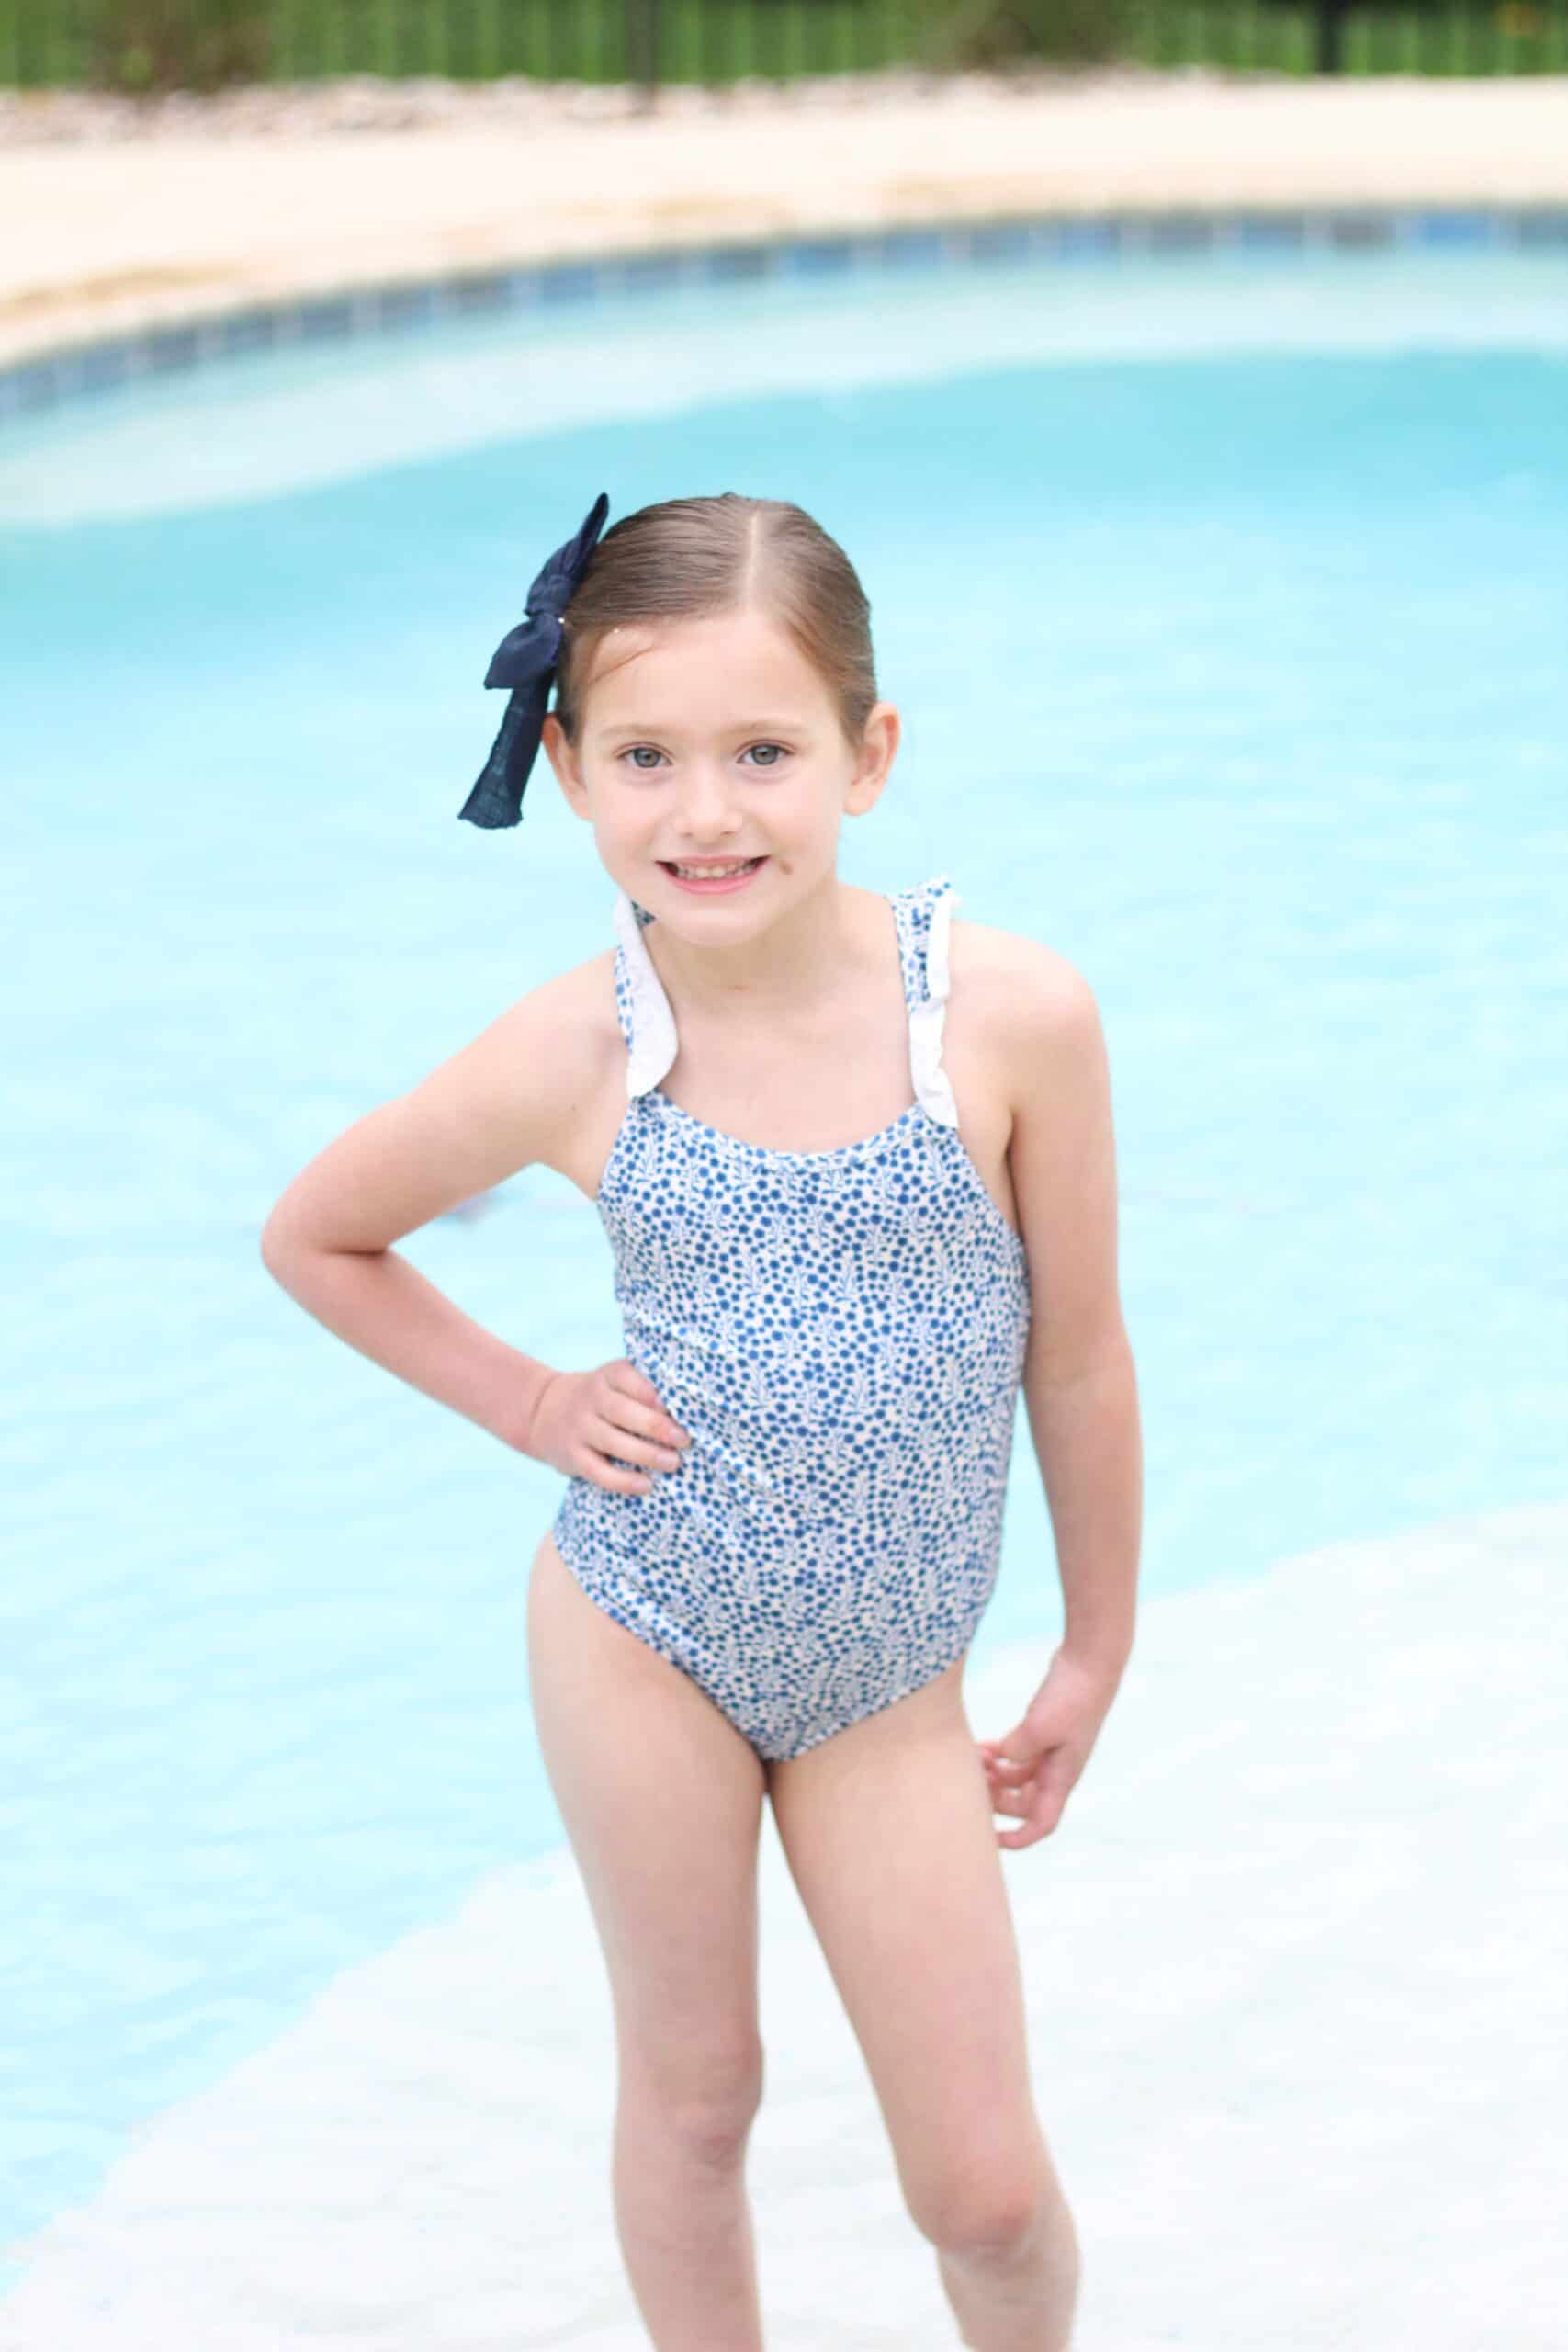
x=890 y=1836
x=662 y=1798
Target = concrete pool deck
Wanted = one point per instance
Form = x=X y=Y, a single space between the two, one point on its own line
x=1298 y=2031
x=126 y=233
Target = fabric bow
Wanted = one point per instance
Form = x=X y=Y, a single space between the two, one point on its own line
x=526 y=660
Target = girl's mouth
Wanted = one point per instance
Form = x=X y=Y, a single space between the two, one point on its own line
x=710 y=881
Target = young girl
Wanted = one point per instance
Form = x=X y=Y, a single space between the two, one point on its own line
x=783 y=1505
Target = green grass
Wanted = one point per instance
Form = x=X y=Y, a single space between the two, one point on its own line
x=140 y=44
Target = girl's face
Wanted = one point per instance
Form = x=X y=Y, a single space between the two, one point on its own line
x=710 y=741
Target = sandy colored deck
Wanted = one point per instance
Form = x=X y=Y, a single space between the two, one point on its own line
x=1298 y=2033
x=124 y=234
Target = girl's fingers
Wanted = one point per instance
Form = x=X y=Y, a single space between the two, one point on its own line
x=631 y=1446
x=644 y=1408
x=1006 y=1795
x=614 y=1479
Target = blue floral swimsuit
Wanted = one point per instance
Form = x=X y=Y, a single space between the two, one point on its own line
x=843 y=1334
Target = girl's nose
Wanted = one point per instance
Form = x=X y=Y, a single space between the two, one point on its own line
x=703 y=801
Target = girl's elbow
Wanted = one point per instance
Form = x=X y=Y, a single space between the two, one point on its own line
x=272 y=1245
x=282 y=1243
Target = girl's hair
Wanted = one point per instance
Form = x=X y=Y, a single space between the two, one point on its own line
x=692 y=558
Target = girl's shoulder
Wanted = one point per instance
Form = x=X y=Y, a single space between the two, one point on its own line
x=570 y=1017
x=527 y=1083
x=1024 y=1012
x=1024 y=987
x=1021 y=1021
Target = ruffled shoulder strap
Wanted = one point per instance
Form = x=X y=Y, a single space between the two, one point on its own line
x=925 y=917
x=647 y=1021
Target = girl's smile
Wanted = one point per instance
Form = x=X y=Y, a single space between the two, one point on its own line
x=708 y=875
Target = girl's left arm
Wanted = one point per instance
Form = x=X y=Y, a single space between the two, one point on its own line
x=1080 y=1385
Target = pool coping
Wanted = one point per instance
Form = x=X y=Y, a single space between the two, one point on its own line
x=230 y=330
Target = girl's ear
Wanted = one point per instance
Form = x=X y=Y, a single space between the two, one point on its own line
x=564 y=759
x=879 y=746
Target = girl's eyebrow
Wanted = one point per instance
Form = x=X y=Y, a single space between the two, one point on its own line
x=739 y=727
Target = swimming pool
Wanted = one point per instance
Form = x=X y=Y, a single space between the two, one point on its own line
x=1222 y=601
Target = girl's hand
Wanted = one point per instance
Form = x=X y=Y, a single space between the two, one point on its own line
x=1033 y=1770
x=581 y=1419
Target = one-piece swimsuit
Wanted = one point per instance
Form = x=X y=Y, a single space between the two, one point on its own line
x=843 y=1335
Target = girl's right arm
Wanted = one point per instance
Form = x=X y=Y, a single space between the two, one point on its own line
x=511 y=1098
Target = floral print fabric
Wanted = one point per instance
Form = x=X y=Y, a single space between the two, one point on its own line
x=842 y=1333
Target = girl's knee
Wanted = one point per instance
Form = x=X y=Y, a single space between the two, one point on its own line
x=990 y=2210
x=701 y=2101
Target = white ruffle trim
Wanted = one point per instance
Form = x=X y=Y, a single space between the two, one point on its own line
x=931 y=1088
x=653 y=1024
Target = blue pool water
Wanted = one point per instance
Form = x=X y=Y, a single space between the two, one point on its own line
x=1223 y=603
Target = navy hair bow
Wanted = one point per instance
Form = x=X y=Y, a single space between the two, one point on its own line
x=525 y=661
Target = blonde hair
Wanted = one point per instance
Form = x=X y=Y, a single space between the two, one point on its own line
x=692 y=558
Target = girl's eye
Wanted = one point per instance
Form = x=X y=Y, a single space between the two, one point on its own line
x=634 y=754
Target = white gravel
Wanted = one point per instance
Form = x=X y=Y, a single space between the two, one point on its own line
x=430 y=102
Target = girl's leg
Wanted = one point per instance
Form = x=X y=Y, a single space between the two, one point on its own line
x=890 y=1836
x=662 y=1798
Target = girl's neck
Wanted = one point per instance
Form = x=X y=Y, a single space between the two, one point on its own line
x=796 y=972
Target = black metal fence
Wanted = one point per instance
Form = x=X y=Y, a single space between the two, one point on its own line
x=162 y=44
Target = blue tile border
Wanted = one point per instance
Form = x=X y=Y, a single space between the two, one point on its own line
x=405 y=305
